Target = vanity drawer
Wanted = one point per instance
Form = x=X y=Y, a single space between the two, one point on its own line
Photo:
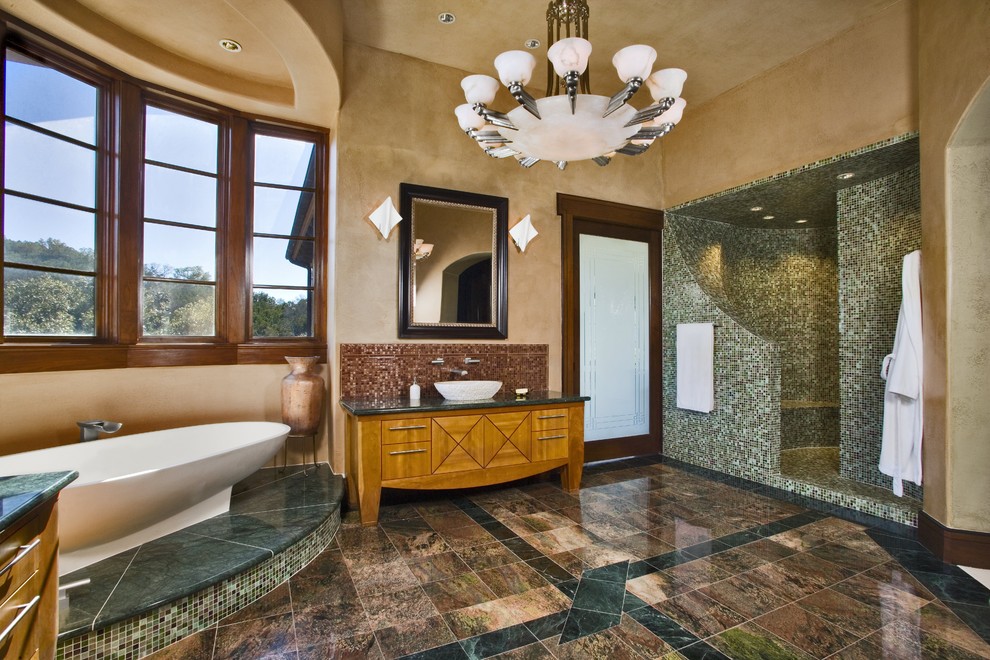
x=549 y=444
x=411 y=459
x=550 y=419
x=399 y=431
x=19 y=557
x=19 y=619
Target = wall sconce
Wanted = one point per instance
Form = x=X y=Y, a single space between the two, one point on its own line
x=523 y=232
x=422 y=250
x=385 y=217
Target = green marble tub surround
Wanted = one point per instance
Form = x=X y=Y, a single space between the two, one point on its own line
x=151 y=595
x=21 y=493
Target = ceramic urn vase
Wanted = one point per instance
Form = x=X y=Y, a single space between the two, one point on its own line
x=302 y=396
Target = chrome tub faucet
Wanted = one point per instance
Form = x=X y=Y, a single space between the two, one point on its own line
x=91 y=429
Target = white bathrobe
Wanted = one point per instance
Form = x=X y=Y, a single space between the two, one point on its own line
x=900 y=455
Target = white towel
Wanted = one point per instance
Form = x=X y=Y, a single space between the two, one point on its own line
x=900 y=452
x=695 y=361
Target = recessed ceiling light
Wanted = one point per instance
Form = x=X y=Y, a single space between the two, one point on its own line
x=756 y=208
x=230 y=45
x=801 y=221
x=532 y=43
x=769 y=217
x=846 y=175
x=446 y=17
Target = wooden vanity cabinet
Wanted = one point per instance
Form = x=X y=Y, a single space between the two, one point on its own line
x=461 y=448
x=29 y=584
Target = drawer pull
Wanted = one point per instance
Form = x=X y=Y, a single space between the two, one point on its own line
x=406 y=428
x=553 y=437
x=24 y=609
x=551 y=416
x=407 y=451
x=25 y=549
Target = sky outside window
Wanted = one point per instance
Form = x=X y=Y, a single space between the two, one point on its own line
x=50 y=154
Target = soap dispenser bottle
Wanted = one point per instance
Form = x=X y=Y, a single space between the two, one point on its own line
x=414 y=390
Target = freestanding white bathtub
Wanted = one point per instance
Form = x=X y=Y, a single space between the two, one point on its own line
x=135 y=488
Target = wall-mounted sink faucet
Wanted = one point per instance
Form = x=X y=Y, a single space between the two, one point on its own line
x=457 y=372
x=91 y=429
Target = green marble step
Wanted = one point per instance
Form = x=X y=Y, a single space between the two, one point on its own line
x=273 y=515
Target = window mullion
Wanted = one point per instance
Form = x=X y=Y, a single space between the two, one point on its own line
x=237 y=286
x=130 y=225
x=321 y=247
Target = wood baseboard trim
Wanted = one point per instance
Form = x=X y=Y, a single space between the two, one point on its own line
x=955 y=546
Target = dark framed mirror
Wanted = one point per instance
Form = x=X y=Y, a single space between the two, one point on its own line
x=453 y=264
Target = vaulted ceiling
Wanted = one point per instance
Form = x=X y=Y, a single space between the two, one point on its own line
x=720 y=43
x=290 y=62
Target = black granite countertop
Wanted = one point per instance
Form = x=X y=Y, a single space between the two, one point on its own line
x=21 y=493
x=387 y=405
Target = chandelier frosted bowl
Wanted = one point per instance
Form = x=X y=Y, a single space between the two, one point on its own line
x=572 y=125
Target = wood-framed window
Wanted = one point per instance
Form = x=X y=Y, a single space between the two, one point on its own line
x=285 y=207
x=54 y=166
x=142 y=227
x=182 y=171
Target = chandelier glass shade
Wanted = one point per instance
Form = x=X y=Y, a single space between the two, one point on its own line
x=570 y=123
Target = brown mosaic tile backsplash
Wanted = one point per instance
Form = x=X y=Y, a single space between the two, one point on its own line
x=387 y=370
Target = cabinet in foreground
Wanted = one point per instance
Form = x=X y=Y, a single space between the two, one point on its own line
x=29 y=584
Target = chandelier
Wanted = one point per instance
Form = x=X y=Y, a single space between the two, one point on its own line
x=570 y=123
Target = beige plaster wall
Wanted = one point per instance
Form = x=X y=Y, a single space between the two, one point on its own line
x=397 y=124
x=40 y=410
x=954 y=56
x=854 y=90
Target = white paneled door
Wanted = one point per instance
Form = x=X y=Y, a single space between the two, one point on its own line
x=614 y=336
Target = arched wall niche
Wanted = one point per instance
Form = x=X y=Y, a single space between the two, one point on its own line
x=968 y=216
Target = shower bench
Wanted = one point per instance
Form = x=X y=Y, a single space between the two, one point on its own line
x=438 y=444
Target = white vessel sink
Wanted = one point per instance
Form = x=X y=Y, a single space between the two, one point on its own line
x=468 y=390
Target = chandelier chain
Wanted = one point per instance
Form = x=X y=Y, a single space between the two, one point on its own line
x=566 y=18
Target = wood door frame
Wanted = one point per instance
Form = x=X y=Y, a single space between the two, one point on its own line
x=617 y=221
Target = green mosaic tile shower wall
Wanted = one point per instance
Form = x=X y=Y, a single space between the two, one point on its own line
x=879 y=222
x=781 y=285
x=741 y=436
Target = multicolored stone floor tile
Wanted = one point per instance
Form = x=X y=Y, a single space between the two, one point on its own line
x=651 y=559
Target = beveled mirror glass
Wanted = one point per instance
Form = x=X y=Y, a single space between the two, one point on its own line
x=452 y=264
